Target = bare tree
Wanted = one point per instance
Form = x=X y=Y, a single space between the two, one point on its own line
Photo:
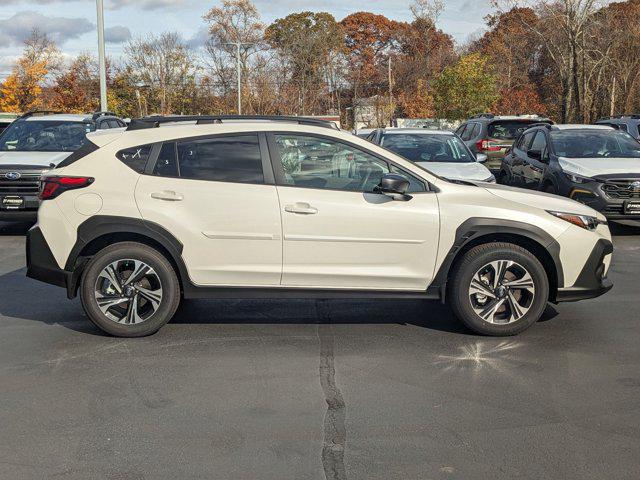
x=163 y=63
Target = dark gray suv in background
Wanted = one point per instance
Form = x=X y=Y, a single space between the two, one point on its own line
x=493 y=135
x=626 y=123
x=596 y=165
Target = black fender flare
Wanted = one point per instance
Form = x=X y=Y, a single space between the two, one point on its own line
x=103 y=225
x=469 y=232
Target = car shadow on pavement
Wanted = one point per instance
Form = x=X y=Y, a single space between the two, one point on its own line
x=11 y=229
x=626 y=229
x=28 y=299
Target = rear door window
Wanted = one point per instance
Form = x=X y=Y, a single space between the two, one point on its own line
x=234 y=159
x=539 y=142
x=525 y=141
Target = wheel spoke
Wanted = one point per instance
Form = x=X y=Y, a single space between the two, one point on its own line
x=132 y=312
x=139 y=272
x=517 y=310
x=479 y=287
x=106 y=302
x=112 y=276
x=524 y=283
x=153 y=296
x=489 y=311
x=500 y=269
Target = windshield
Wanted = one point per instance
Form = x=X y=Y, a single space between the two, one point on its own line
x=594 y=144
x=508 y=129
x=420 y=147
x=44 y=136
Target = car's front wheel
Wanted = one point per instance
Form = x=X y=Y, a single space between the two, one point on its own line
x=499 y=289
x=129 y=290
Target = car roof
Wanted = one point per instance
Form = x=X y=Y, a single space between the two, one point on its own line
x=59 y=117
x=577 y=126
x=416 y=131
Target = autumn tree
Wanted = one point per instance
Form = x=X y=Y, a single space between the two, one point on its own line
x=235 y=34
x=22 y=91
x=308 y=42
x=465 y=89
x=163 y=64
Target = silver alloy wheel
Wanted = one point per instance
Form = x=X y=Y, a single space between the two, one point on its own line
x=128 y=292
x=502 y=292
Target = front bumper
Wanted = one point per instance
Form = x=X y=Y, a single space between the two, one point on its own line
x=593 y=195
x=592 y=281
x=42 y=266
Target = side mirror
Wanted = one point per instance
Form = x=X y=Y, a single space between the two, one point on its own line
x=394 y=186
x=537 y=154
x=481 y=158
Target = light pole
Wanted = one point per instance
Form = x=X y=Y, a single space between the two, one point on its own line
x=101 y=56
x=238 y=46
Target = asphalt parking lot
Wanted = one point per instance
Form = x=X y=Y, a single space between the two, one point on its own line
x=318 y=389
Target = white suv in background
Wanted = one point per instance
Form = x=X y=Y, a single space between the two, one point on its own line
x=439 y=151
x=232 y=207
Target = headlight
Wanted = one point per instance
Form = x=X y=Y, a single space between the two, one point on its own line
x=577 y=178
x=491 y=179
x=583 y=221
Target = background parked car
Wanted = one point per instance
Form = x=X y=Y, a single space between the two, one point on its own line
x=439 y=151
x=594 y=164
x=494 y=135
x=32 y=145
x=626 y=123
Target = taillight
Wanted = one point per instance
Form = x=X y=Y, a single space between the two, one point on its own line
x=51 y=187
x=487 y=146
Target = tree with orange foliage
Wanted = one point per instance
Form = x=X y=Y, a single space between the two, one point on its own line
x=22 y=91
x=417 y=103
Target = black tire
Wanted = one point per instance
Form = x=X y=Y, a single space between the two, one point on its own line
x=473 y=261
x=162 y=268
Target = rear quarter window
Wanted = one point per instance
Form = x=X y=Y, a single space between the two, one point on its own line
x=135 y=157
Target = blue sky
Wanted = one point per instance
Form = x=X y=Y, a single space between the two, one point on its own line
x=72 y=22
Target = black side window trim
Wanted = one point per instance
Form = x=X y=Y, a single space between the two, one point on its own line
x=276 y=162
x=267 y=171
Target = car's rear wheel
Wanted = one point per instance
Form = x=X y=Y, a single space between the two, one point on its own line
x=129 y=290
x=499 y=289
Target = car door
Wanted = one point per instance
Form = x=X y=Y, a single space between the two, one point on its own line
x=534 y=165
x=519 y=158
x=337 y=232
x=217 y=196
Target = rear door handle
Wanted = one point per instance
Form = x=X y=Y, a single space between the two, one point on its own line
x=168 y=196
x=301 y=209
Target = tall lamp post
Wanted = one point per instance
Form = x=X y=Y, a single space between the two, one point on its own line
x=238 y=46
x=101 y=56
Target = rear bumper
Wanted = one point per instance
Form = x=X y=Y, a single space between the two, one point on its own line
x=42 y=266
x=591 y=282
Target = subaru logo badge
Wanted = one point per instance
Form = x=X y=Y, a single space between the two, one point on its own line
x=12 y=176
x=635 y=186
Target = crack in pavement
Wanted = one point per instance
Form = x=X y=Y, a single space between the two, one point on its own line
x=335 y=433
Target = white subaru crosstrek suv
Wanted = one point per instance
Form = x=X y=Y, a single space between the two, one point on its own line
x=287 y=207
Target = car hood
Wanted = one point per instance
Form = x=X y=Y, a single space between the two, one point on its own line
x=541 y=200
x=591 y=167
x=458 y=171
x=32 y=158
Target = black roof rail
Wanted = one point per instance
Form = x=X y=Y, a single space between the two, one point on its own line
x=97 y=115
x=156 y=121
x=484 y=115
x=39 y=112
x=541 y=124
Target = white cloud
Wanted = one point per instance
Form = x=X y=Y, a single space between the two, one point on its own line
x=117 y=34
x=16 y=29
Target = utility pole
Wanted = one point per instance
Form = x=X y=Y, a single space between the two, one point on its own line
x=238 y=46
x=390 y=95
x=101 y=56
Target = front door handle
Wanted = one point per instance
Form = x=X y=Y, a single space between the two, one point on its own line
x=168 y=196
x=301 y=209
